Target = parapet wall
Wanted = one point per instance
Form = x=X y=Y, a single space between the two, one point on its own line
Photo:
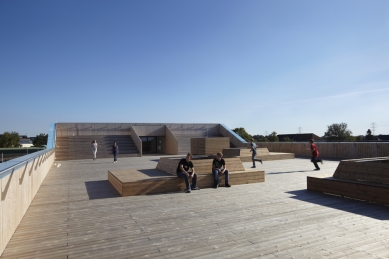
x=335 y=150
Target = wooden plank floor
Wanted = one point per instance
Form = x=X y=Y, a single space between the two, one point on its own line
x=77 y=214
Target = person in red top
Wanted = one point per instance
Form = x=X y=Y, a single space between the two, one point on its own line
x=315 y=155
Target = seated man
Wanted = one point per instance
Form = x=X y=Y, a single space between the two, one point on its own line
x=219 y=167
x=182 y=172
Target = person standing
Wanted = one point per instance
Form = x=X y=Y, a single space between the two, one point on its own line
x=315 y=155
x=253 y=150
x=183 y=172
x=219 y=167
x=94 y=149
x=115 y=151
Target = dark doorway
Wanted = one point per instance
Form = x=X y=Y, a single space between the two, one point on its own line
x=152 y=145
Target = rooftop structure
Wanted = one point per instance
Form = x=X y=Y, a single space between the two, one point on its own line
x=76 y=213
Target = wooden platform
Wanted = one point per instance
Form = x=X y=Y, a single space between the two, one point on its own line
x=362 y=179
x=77 y=214
x=130 y=182
x=262 y=153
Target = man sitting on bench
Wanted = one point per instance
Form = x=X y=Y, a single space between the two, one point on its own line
x=183 y=172
x=219 y=167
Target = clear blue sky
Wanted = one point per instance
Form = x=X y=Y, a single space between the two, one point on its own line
x=262 y=65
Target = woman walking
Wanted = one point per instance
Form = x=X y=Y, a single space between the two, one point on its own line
x=94 y=149
x=115 y=151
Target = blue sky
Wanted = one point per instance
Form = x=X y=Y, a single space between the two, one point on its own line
x=266 y=66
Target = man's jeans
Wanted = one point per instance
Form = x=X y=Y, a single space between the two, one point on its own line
x=186 y=178
x=216 y=176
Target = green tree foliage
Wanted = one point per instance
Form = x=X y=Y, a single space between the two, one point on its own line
x=10 y=139
x=338 y=132
x=260 y=138
x=369 y=136
x=272 y=137
x=286 y=139
x=359 y=138
x=242 y=133
x=40 y=140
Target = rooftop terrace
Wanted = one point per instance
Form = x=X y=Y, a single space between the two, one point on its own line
x=77 y=214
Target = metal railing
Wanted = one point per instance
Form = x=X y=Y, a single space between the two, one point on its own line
x=8 y=167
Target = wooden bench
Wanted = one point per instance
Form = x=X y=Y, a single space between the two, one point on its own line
x=362 y=179
x=129 y=182
x=262 y=153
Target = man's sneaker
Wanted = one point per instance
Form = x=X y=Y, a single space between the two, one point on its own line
x=316 y=169
x=260 y=161
x=228 y=185
x=187 y=191
x=253 y=167
x=215 y=186
x=196 y=188
x=321 y=161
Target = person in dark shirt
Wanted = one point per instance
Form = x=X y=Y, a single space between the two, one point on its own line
x=219 y=167
x=183 y=172
x=115 y=151
x=315 y=155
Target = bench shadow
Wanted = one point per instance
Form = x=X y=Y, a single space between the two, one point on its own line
x=363 y=208
x=100 y=190
x=289 y=172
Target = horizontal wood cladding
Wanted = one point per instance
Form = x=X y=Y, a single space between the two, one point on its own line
x=209 y=146
x=362 y=179
x=338 y=150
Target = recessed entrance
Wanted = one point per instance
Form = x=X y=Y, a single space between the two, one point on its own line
x=152 y=144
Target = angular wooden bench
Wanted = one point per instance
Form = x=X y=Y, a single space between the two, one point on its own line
x=362 y=179
x=129 y=182
x=262 y=153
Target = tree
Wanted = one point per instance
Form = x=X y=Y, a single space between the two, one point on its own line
x=369 y=136
x=260 y=138
x=272 y=137
x=242 y=133
x=359 y=138
x=338 y=132
x=10 y=139
x=40 y=140
x=286 y=139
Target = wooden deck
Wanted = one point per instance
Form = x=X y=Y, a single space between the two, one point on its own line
x=77 y=214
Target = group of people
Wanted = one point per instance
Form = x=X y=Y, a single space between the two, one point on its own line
x=218 y=164
x=115 y=150
x=218 y=168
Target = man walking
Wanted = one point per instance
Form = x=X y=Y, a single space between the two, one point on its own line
x=253 y=149
x=315 y=155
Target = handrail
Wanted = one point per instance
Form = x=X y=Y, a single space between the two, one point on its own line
x=7 y=167
x=233 y=133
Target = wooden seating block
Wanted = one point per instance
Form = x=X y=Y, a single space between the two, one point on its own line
x=174 y=184
x=262 y=153
x=362 y=179
x=202 y=166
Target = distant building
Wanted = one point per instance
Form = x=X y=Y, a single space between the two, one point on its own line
x=383 y=137
x=26 y=142
x=303 y=137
